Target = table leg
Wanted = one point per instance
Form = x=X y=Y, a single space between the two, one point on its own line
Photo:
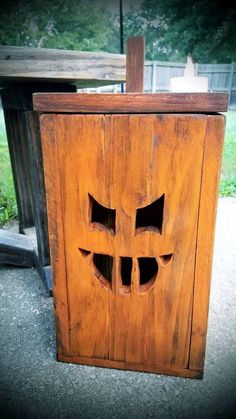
x=23 y=134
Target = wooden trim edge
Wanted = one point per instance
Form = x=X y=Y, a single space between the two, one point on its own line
x=156 y=369
x=205 y=238
x=130 y=102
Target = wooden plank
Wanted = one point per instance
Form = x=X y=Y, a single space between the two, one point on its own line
x=38 y=188
x=55 y=224
x=17 y=135
x=131 y=102
x=86 y=69
x=135 y=64
x=27 y=53
x=154 y=368
x=106 y=70
x=20 y=96
x=19 y=241
x=88 y=303
x=24 y=141
x=205 y=240
x=16 y=249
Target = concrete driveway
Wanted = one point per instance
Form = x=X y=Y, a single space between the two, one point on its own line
x=34 y=385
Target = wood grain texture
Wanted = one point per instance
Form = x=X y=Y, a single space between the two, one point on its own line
x=23 y=135
x=135 y=64
x=154 y=368
x=10 y=53
x=38 y=188
x=79 y=67
x=56 y=231
x=16 y=249
x=121 y=161
x=205 y=240
x=17 y=128
x=20 y=96
x=131 y=102
x=108 y=70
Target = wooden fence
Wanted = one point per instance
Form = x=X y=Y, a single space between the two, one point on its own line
x=221 y=77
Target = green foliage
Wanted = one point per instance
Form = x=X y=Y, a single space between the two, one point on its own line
x=66 y=24
x=172 y=28
x=8 y=208
x=141 y=22
x=229 y=154
x=228 y=172
x=175 y=28
x=228 y=187
x=229 y=158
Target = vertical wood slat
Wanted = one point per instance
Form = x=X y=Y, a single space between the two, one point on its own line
x=23 y=134
x=26 y=160
x=56 y=230
x=38 y=190
x=135 y=64
x=16 y=128
x=205 y=240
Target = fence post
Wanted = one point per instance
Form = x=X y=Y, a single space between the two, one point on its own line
x=154 y=68
x=231 y=77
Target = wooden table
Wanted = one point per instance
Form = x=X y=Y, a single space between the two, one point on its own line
x=24 y=71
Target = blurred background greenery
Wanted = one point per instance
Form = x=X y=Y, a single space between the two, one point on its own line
x=172 y=28
x=8 y=209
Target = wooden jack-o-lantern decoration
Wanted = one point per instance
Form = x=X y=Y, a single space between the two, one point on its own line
x=131 y=185
x=105 y=268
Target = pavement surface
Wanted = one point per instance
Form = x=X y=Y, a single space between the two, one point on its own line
x=34 y=385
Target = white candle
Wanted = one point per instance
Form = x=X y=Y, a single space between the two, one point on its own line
x=189 y=83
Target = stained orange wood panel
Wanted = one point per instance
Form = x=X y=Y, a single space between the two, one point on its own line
x=123 y=195
x=130 y=102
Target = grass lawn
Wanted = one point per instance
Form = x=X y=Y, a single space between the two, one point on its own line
x=228 y=168
x=8 y=208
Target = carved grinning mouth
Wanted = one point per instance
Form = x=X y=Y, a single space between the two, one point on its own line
x=102 y=266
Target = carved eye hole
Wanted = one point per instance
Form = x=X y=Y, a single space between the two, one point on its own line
x=150 y=218
x=104 y=218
